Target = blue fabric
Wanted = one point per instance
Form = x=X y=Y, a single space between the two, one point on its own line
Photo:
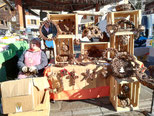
x=142 y=38
x=145 y=21
x=49 y=44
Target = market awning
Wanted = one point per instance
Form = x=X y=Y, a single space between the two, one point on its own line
x=64 y=5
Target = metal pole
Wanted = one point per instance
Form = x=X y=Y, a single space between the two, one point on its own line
x=152 y=106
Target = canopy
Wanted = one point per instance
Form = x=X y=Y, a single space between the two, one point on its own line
x=64 y=5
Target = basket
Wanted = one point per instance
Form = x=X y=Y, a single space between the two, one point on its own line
x=123 y=7
x=144 y=79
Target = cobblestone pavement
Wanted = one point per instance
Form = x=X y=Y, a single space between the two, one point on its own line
x=99 y=107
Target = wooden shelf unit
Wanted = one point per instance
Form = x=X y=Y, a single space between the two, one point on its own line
x=65 y=20
x=58 y=47
x=135 y=17
x=61 y=17
x=114 y=42
x=115 y=89
x=98 y=45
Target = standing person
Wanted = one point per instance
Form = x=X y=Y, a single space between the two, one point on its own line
x=49 y=28
x=32 y=60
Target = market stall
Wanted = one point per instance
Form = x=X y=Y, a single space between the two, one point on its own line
x=103 y=68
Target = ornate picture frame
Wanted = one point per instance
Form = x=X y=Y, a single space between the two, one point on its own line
x=55 y=26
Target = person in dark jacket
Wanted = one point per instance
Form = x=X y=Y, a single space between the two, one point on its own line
x=48 y=29
x=32 y=60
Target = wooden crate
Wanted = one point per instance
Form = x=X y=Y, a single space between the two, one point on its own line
x=114 y=42
x=99 y=45
x=57 y=18
x=135 y=17
x=58 y=47
x=115 y=90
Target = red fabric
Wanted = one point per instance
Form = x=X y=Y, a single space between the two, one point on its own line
x=47 y=71
x=51 y=94
x=142 y=67
x=31 y=50
x=82 y=94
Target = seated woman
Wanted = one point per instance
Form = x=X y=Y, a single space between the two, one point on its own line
x=32 y=61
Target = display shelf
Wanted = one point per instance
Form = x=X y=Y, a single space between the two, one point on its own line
x=133 y=95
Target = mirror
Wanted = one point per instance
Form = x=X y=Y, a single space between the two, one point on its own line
x=48 y=30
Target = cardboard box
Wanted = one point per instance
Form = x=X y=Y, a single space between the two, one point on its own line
x=43 y=109
x=22 y=95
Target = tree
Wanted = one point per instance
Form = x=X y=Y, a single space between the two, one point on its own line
x=138 y=5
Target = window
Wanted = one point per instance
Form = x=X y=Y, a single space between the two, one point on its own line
x=1 y=22
x=33 y=21
x=84 y=16
x=6 y=8
x=92 y=18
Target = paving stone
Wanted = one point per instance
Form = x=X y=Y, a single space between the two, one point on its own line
x=56 y=106
x=145 y=93
x=87 y=112
x=61 y=113
x=76 y=105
